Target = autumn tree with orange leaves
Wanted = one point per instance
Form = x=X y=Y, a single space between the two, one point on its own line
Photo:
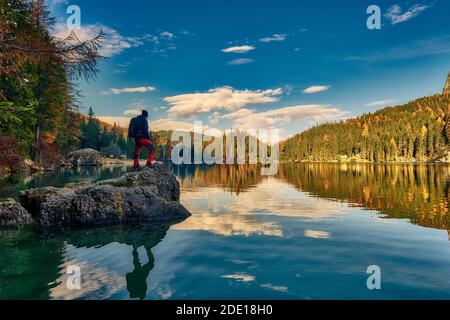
x=37 y=75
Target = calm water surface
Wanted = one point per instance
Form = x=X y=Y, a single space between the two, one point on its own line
x=308 y=233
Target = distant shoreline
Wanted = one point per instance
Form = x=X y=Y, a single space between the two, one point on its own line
x=107 y=162
x=129 y=162
x=367 y=162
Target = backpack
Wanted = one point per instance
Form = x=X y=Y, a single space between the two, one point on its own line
x=133 y=128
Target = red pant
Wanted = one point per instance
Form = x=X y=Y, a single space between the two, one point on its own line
x=140 y=143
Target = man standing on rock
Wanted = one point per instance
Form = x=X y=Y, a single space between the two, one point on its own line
x=138 y=130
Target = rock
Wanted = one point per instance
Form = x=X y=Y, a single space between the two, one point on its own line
x=151 y=195
x=31 y=166
x=13 y=215
x=83 y=158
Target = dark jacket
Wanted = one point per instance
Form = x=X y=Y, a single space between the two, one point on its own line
x=142 y=128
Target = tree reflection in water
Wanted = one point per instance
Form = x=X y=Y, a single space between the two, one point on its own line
x=420 y=193
x=30 y=263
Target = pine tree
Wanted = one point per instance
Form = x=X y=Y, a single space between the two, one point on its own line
x=418 y=130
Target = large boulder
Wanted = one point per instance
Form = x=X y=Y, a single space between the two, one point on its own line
x=151 y=195
x=13 y=215
x=83 y=158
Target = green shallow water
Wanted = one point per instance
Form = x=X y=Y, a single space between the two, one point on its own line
x=310 y=232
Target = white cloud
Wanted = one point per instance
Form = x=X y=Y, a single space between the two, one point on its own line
x=275 y=37
x=316 y=89
x=301 y=115
x=132 y=112
x=170 y=124
x=213 y=132
x=239 y=49
x=222 y=98
x=395 y=15
x=167 y=35
x=156 y=125
x=380 y=103
x=316 y=234
x=214 y=118
x=240 y=277
x=113 y=43
x=128 y=90
x=238 y=114
x=163 y=43
x=238 y=62
x=281 y=117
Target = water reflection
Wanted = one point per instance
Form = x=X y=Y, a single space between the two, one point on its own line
x=130 y=260
x=10 y=186
x=238 y=179
x=253 y=212
x=420 y=193
x=306 y=221
x=114 y=262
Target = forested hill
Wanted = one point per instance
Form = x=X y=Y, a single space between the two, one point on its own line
x=416 y=131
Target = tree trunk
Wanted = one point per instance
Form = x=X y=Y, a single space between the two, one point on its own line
x=36 y=148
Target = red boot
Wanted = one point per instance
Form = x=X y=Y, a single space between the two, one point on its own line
x=136 y=163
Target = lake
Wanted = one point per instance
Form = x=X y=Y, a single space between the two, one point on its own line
x=310 y=232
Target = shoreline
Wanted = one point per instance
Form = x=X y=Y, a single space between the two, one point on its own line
x=107 y=162
x=367 y=162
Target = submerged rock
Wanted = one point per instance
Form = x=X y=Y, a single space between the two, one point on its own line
x=151 y=195
x=83 y=158
x=13 y=215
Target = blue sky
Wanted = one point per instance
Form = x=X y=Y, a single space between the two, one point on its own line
x=258 y=64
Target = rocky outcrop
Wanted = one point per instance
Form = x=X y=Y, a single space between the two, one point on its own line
x=151 y=195
x=83 y=158
x=13 y=215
